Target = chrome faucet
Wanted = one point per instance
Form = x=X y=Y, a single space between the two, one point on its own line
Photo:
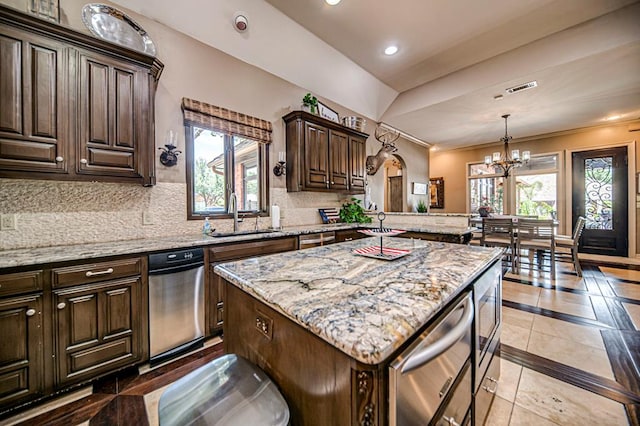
x=233 y=208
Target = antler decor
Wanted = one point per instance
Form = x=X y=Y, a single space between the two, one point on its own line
x=387 y=137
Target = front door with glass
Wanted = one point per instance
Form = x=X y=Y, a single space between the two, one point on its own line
x=599 y=189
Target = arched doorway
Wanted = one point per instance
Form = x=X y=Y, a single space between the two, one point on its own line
x=394 y=176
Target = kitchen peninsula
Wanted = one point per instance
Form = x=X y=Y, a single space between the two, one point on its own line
x=325 y=323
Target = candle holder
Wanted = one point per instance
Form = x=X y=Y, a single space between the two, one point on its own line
x=169 y=156
x=280 y=168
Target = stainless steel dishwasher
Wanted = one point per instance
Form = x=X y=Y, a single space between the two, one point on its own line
x=176 y=303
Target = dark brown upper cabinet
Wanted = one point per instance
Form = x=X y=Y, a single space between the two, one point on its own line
x=73 y=107
x=323 y=155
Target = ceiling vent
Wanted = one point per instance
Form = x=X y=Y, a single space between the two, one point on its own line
x=521 y=87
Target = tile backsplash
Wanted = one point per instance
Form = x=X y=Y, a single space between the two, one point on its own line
x=51 y=213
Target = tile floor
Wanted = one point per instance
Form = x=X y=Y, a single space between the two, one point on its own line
x=557 y=367
x=570 y=356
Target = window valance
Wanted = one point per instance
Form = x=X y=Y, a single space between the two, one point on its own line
x=215 y=117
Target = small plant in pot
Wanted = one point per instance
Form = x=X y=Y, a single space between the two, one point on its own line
x=310 y=103
x=353 y=212
x=421 y=207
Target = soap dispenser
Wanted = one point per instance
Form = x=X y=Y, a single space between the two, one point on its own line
x=206 y=227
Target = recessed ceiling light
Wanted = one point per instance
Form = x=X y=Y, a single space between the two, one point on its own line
x=391 y=50
x=613 y=117
x=332 y=2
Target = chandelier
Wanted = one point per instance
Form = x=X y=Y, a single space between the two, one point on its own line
x=504 y=161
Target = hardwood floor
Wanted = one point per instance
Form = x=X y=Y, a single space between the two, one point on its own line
x=570 y=356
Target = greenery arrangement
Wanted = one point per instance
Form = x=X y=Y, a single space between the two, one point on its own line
x=421 y=207
x=310 y=101
x=353 y=212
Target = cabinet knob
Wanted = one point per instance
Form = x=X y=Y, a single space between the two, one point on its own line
x=31 y=312
x=61 y=305
x=333 y=183
x=59 y=159
x=83 y=161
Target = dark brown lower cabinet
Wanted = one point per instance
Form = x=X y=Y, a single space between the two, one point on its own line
x=21 y=349
x=348 y=235
x=214 y=292
x=438 y=236
x=97 y=328
x=313 y=376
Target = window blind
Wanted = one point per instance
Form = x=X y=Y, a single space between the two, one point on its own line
x=224 y=120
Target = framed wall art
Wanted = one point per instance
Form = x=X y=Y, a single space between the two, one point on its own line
x=436 y=192
x=419 y=188
x=326 y=112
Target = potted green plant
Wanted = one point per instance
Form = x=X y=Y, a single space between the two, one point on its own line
x=353 y=212
x=421 y=207
x=310 y=103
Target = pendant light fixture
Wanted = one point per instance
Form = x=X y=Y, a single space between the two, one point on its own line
x=505 y=161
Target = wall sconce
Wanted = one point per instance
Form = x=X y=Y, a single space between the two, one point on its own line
x=169 y=156
x=280 y=168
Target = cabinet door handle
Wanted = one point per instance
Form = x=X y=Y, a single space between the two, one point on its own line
x=31 y=312
x=83 y=161
x=61 y=305
x=59 y=159
x=423 y=354
x=105 y=272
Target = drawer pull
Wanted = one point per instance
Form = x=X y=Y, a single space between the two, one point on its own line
x=83 y=161
x=262 y=326
x=348 y=239
x=59 y=159
x=450 y=421
x=105 y=272
x=31 y=312
x=488 y=389
x=61 y=305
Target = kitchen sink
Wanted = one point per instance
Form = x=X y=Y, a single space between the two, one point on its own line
x=247 y=232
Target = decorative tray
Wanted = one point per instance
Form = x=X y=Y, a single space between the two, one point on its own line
x=387 y=253
x=110 y=24
x=381 y=232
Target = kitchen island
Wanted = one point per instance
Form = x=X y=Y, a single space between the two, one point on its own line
x=325 y=323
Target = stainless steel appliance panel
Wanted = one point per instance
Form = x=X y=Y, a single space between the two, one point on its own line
x=487 y=294
x=486 y=392
x=176 y=309
x=456 y=410
x=421 y=377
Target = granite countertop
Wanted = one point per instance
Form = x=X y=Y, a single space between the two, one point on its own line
x=365 y=307
x=41 y=255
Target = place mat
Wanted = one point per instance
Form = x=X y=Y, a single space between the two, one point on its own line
x=388 y=253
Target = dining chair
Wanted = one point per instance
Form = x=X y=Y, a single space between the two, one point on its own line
x=498 y=232
x=567 y=246
x=536 y=236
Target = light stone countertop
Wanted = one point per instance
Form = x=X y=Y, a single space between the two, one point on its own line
x=365 y=307
x=42 y=255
